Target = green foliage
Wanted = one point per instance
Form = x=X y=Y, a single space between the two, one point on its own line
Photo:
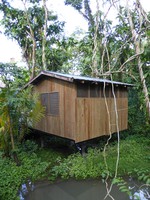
x=77 y=4
x=35 y=164
x=19 y=109
x=38 y=163
x=84 y=8
x=137 y=114
x=13 y=76
x=118 y=40
x=9 y=176
x=134 y=154
x=28 y=146
x=12 y=176
x=143 y=175
x=16 y=26
x=121 y=183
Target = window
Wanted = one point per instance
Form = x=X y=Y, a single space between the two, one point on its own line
x=123 y=93
x=51 y=103
x=82 y=90
x=107 y=91
x=54 y=103
x=116 y=91
x=44 y=101
x=100 y=91
x=94 y=91
x=104 y=91
x=101 y=88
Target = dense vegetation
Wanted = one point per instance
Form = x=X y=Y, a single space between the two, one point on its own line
x=134 y=157
x=117 y=52
x=39 y=164
x=32 y=167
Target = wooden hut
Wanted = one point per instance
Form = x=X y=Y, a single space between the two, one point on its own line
x=81 y=108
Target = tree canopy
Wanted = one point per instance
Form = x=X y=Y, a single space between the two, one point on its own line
x=26 y=26
x=118 y=51
x=115 y=50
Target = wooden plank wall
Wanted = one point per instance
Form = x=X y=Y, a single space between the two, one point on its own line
x=81 y=119
x=94 y=119
x=64 y=124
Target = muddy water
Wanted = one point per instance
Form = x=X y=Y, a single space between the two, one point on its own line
x=82 y=190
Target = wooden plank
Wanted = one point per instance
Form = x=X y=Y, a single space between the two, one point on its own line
x=69 y=110
x=82 y=119
x=62 y=111
x=98 y=118
x=93 y=117
x=64 y=124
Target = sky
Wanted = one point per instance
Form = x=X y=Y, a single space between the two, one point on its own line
x=10 y=49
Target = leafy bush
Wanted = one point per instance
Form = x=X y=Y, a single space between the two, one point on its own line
x=79 y=167
x=134 y=155
x=12 y=176
x=28 y=146
x=35 y=164
x=10 y=179
x=143 y=175
x=137 y=114
x=40 y=163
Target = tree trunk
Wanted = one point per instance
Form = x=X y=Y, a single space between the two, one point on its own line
x=88 y=13
x=136 y=40
x=95 y=48
x=11 y=132
x=33 y=56
x=31 y=34
x=14 y=154
x=44 y=36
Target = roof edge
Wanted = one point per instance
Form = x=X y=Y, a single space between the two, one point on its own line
x=73 y=78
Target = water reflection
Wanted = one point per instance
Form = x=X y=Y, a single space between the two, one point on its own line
x=81 y=190
x=25 y=189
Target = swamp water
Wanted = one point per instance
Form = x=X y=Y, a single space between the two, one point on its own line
x=82 y=190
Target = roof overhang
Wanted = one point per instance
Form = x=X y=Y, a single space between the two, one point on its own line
x=73 y=78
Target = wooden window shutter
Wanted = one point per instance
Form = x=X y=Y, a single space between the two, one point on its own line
x=44 y=101
x=54 y=103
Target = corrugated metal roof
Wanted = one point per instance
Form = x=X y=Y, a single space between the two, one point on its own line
x=74 y=78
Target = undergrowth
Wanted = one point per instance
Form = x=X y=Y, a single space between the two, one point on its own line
x=34 y=165
x=37 y=164
x=134 y=158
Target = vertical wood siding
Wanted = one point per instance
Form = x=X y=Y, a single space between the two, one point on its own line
x=93 y=118
x=63 y=124
x=82 y=118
